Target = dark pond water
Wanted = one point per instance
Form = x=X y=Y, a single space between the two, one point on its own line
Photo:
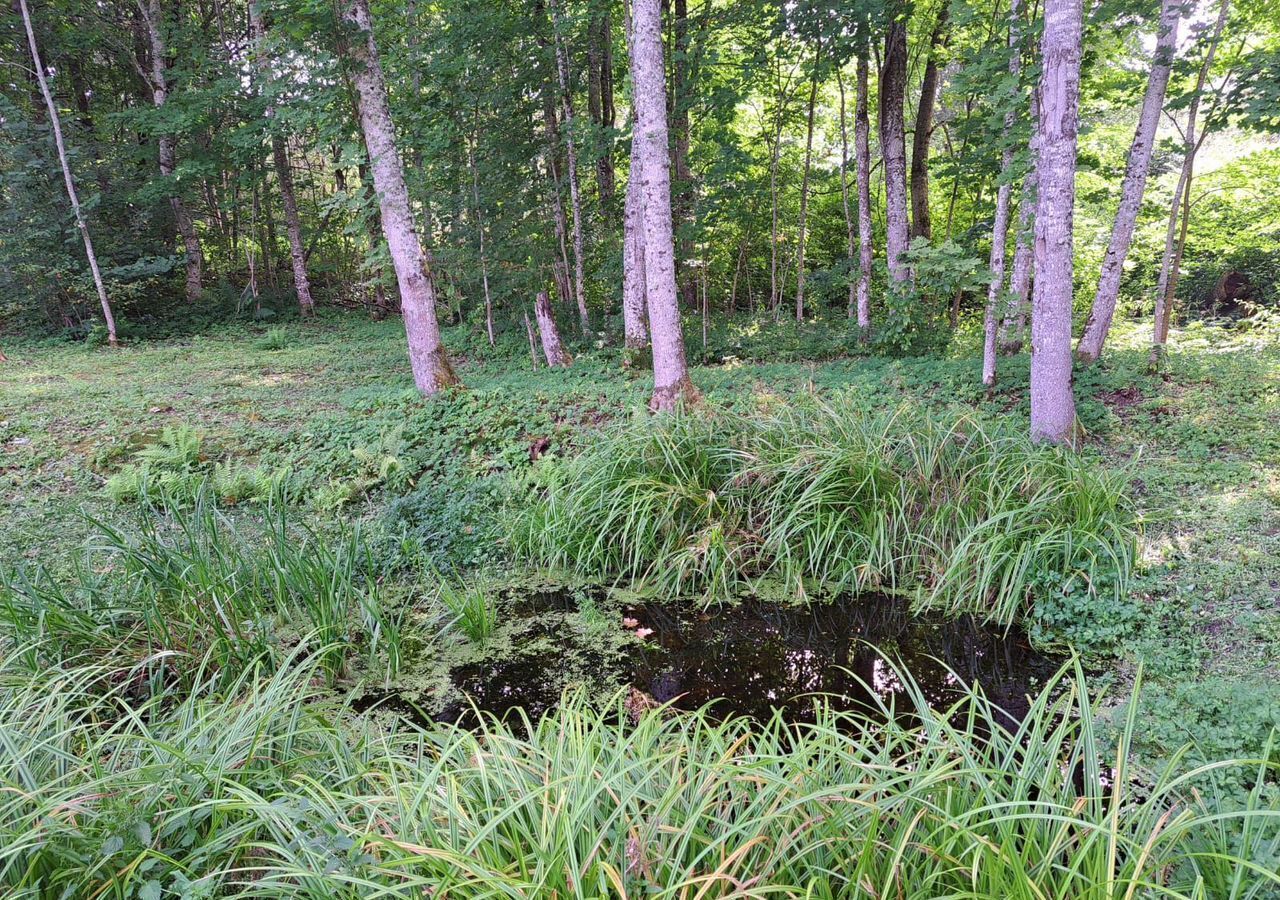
x=750 y=659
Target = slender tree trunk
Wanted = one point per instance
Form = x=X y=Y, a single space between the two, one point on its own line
x=634 y=307
x=1013 y=328
x=1182 y=195
x=564 y=284
x=168 y=150
x=600 y=103
x=1000 y=227
x=687 y=277
x=56 y=123
x=284 y=170
x=383 y=305
x=1135 y=182
x=430 y=363
x=844 y=191
x=921 y=226
x=804 y=187
x=862 y=160
x=893 y=86
x=533 y=347
x=670 y=370
x=479 y=216
x=557 y=356
x=575 y=191
x=1053 y=412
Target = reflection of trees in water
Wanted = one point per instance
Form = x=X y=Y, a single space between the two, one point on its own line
x=756 y=656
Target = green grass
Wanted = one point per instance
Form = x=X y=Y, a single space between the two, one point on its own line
x=262 y=786
x=1198 y=450
x=968 y=515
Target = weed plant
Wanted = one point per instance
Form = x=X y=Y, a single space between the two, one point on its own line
x=965 y=514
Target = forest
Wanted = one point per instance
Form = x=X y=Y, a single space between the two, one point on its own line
x=640 y=448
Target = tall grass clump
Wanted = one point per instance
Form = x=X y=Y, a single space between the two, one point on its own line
x=965 y=514
x=258 y=788
x=187 y=579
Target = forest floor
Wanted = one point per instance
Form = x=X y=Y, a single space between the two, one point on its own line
x=1200 y=445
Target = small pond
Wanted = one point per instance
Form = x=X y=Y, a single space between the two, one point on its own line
x=749 y=658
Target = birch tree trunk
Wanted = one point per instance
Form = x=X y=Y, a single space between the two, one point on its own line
x=557 y=356
x=1053 y=412
x=893 y=151
x=634 y=311
x=804 y=187
x=56 y=124
x=1135 y=182
x=430 y=363
x=1000 y=227
x=159 y=84
x=571 y=152
x=1182 y=195
x=921 y=224
x=862 y=157
x=671 y=382
x=284 y=170
x=686 y=276
x=850 y=229
x=600 y=103
x=1013 y=328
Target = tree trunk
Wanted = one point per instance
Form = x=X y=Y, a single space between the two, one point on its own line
x=804 y=186
x=168 y=150
x=56 y=123
x=533 y=347
x=600 y=102
x=921 y=226
x=430 y=363
x=670 y=370
x=1013 y=328
x=634 y=307
x=893 y=86
x=284 y=170
x=683 y=187
x=1181 y=195
x=1053 y=412
x=575 y=191
x=564 y=285
x=1000 y=227
x=383 y=305
x=862 y=158
x=557 y=356
x=479 y=217
x=850 y=229
x=1135 y=181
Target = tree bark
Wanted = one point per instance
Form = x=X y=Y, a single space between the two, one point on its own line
x=533 y=347
x=571 y=152
x=557 y=356
x=1135 y=182
x=1053 y=413
x=849 y=226
x=168 y=150
x=1182 y=195
x=670 y=370
x=634 y=307
x=479 y=217
x=1000 y=227
x=284 y=170
x=56 y=123
x=862 y=158
x=600 y=103
x=921 y=225
x=893 y=151
x=804 y=186
x=427 y=356
x=1013 y=328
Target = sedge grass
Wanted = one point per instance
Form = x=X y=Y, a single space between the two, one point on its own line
x=964 y=514
x=258 y=787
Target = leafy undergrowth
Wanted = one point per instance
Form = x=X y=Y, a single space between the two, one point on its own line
x=261 y=786
x=969 y=515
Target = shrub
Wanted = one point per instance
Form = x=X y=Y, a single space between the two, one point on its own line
x=966 y=515
x=276 y=338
